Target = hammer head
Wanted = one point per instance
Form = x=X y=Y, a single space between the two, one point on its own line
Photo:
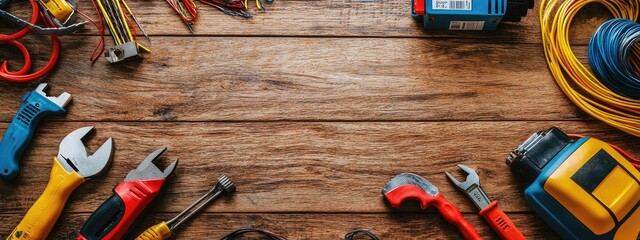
x=409 y=186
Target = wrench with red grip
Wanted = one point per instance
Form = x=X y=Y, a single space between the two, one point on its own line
x=114 y=218
x=497 y=219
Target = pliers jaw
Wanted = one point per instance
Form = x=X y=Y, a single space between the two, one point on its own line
x=148 y=170
x=73 y=155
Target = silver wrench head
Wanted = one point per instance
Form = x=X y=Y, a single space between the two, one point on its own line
x=73 y=155
x=148 y=170
x=472 y=178
x=61 y=100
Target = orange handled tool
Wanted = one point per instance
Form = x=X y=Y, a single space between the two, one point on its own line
x=411 y=186
x=489 y=210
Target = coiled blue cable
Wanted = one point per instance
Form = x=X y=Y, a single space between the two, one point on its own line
x=609 y=50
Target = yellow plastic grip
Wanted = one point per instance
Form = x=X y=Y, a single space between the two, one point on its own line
x=44 y=213
x=60 y=9
x=159 y=231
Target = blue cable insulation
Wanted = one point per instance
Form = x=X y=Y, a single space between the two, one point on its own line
x=609 y=56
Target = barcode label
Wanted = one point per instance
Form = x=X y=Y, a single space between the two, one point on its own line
x=466 y=25
x=451 y=4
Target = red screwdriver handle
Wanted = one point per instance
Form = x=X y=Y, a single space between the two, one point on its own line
x=113 y=219
x=500 y=223
x=453 y=216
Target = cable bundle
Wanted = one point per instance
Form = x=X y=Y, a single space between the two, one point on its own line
x=237 y=234
x=576 y=81
x=609 y=51
x=360 y=232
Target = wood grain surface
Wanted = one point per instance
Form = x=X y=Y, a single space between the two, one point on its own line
x=310 y=108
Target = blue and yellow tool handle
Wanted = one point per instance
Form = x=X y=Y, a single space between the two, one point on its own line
x=44 y=213
x=18 y=135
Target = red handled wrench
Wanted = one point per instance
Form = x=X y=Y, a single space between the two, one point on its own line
x=489 y=210
x=411 y=186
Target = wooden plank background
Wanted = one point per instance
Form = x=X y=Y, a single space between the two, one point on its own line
x=310 y=108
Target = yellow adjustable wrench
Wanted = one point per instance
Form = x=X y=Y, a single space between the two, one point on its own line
x=73 y=166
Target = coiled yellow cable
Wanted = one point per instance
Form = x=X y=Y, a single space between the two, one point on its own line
x=574 y=78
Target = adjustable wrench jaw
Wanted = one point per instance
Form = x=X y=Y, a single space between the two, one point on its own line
x=73 y=155
x=62 y=100
x=71 y=168
x=148 y=170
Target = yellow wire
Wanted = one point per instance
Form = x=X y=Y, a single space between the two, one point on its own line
x=580 y=85
x=111 y=27
x=124 y=20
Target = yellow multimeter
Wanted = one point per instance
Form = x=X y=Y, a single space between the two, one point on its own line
x=583 y=188
x=59 y=9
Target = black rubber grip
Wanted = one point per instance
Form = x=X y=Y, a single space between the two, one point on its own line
x=104 y=219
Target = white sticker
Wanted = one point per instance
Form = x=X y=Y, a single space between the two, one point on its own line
x=466 y=25
x=451 y=4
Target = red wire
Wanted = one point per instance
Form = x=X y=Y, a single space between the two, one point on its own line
x=27 y=59
x=190 y=8
x=97 y=48
x=21 y=76
x=633 y=160
x=24 y=31
x=133 y=28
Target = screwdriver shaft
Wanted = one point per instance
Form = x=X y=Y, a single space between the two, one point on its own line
x=197 y=209
x=186 y=210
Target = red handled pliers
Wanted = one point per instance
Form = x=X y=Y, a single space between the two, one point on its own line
x=23 y=74
x=113 y=219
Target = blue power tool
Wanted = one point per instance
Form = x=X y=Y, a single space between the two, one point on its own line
x=35 y=105
x=580 y=186
x=468 y=14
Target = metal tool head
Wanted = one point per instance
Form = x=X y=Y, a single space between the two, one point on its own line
x=122 y=52
x=148 y=170
x=410 y=179
x=74 y=157
x=471 y=180
x=61 y=100
x=226 y=183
